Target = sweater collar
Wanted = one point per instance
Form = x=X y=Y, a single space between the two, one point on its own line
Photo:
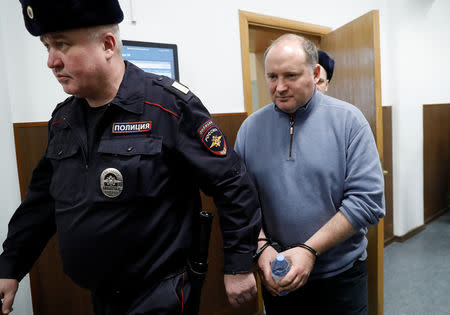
x=304 y=110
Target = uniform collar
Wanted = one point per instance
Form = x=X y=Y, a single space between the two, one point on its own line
x=130 y=96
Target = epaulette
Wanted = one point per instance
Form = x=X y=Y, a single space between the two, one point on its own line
x=59 y=105
x=174 y=87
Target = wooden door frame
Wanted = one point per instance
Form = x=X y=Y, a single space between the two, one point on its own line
x=379 y=142
x=247 y=19
x=377 y=72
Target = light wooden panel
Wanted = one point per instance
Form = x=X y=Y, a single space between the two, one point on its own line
x=283 y=24
x=436 y=159
x=263 y=92
x=356 y=50
x=354 y=78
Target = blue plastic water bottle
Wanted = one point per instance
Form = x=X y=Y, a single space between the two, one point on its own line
x=280 y=267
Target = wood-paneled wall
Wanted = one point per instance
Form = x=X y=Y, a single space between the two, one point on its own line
x=49 y=283
x=53 y=293
x=214 y=300
x=436 y=159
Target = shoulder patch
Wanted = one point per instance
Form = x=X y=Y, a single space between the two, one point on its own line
x=180 y=87
x=174 y=87
x=213 y=138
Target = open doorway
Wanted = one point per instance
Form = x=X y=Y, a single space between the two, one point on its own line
x=260 y=37
x=356 y=79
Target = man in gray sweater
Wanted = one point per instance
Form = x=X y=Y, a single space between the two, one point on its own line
x=317 y=170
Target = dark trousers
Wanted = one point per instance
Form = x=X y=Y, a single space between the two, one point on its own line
x=343 y=294
x=172 y=296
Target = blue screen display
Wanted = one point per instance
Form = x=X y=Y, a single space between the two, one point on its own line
x=160 y=59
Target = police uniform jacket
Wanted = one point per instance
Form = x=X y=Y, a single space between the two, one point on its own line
x=124 y=210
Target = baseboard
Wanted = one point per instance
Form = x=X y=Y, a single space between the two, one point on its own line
x=416 y=230
x=436 y=215
x=389 y=240
x=408 y=235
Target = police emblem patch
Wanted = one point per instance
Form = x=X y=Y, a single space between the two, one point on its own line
x=111 y=182
x=213 y=138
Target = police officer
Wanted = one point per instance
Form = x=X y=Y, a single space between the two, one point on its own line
x=120 y=178
x=326 y=64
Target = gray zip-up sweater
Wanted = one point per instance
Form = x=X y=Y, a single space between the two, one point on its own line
x=329 y=164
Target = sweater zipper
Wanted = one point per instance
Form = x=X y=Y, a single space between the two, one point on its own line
x=80 y=142
x=291 y=132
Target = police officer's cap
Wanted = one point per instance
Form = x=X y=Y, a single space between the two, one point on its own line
x=327 y=63
x=45 y=16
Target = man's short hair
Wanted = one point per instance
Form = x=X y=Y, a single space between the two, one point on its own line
x=308 y=47
x=96 y=32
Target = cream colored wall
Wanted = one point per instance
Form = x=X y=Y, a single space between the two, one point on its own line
x=206 y=32
x=9 y=192
x=415 y=72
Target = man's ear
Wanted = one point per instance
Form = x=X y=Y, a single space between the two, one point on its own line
x=109 y=45
x=316 y=73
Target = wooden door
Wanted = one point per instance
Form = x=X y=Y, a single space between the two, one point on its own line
x=356 y=79
x=355 y=48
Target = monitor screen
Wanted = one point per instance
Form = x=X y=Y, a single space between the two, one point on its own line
x=157 y=58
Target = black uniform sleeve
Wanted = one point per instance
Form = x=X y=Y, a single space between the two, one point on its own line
x=31 y=226
x=223 y=175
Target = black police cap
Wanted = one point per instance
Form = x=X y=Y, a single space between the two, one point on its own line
x=327 y=63
x=45 y=16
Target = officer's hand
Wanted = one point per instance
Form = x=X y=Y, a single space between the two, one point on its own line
x=8 y=289
x=264 y=261
x=240 y=288
x=302 y=262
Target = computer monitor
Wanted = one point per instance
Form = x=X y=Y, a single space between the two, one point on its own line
x=157 y=58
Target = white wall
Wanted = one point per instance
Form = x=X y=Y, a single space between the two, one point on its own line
x=34 y=92
x=9 y=193
x=207 y=35
x=414 y=67
x=417 y=33
x=437 y=52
